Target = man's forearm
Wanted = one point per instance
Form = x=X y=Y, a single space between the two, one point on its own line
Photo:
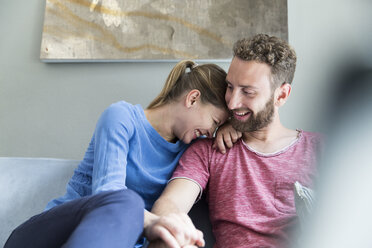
x=173 y=205
x=178 y=197
x=165 y=206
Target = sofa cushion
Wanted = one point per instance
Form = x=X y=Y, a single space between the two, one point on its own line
x=26 y=185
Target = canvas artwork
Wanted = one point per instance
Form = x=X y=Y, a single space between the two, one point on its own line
x=141 y=30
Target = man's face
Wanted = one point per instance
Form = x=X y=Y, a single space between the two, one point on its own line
x=249 y=95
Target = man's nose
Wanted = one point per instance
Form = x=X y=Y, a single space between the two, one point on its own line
x=234 y=102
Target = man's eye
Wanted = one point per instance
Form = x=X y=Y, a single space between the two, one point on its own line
x=248 y=92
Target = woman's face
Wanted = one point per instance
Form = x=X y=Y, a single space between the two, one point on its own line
x=202 y=119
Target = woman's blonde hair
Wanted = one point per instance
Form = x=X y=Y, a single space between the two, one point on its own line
x=209 y=79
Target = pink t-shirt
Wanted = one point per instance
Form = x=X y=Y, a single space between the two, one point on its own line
x=250 y=194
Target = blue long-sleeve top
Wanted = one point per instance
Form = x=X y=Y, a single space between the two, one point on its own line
x=125 y=152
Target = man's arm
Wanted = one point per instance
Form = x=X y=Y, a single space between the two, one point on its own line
x=178 y=198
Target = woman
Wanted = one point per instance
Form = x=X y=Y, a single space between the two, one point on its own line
x=132 y=154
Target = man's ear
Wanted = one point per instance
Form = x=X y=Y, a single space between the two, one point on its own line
x=192 y=97
x=282 y=93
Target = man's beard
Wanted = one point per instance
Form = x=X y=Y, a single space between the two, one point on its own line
x=257 y=121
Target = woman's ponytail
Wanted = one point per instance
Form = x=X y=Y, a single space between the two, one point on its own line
x=209 y=79
x=169 y=90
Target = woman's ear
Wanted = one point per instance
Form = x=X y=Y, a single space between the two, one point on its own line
x=282 y=93
x=192 y=97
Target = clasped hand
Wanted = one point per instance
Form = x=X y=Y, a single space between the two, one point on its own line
x=174 y=230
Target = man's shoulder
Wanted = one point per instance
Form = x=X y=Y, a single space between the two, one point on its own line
x=202 y=142
x=313 y=137
x=204 y=146
x=201 y=146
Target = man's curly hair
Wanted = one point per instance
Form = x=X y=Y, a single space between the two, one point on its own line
x=270 y=50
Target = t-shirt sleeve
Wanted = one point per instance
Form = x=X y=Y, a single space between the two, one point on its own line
x=112 y=134
x=194 y=163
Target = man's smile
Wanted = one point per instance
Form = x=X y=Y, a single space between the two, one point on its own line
x=241 y=115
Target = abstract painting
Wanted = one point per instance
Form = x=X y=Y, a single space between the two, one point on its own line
x=155 y=30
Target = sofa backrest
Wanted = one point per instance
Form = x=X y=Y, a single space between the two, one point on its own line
x=28 y=184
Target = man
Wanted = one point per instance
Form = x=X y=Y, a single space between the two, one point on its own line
x=249 y=188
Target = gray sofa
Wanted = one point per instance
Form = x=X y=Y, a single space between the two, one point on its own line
x=27 y=184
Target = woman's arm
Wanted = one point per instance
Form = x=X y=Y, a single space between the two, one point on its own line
x=111 y=146
x=226 y=136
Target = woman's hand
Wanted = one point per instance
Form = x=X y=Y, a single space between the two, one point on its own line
x=226 y=136
x=176 y=230
x=160 y=244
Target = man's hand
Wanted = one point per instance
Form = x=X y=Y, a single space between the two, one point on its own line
x=226 y=136
x=176 y=230
x=160 y=244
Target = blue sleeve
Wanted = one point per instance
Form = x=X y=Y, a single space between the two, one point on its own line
x=113 y=132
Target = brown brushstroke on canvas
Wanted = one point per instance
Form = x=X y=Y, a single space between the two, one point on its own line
x=77 y=29
x=106 y=37
x=155 y=16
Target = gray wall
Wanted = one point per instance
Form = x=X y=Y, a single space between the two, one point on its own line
x=50 y=110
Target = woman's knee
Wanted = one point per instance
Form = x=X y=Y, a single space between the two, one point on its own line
x=129 y=198
x=121 y=206
x=125 y=197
